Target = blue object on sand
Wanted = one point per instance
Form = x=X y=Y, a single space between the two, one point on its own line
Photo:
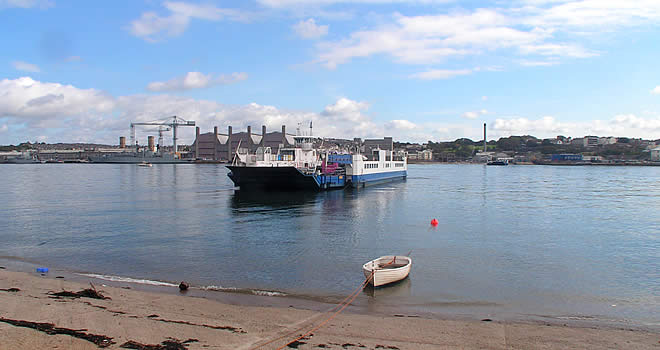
x=42 y=269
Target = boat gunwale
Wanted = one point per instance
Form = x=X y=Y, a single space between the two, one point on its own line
x=367 y=265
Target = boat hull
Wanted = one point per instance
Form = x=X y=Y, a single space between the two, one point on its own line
x=383 y=276
x=289 y=178
x=377 y=178
x=272 y=179
x=136 y=159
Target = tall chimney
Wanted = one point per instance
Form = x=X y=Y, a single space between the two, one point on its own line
x=150 y=144
x=249 y=131
x=229 y=147
x=197 y=142
x=284 y=135
x=485 y=149
x=122 y=142
x=215 y=143
x=263 y=135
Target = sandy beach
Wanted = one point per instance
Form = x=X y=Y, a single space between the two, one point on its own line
x=148 y=320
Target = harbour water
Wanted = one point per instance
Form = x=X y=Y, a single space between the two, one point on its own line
x=514 y=242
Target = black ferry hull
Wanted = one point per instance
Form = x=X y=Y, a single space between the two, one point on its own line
x=272 y=179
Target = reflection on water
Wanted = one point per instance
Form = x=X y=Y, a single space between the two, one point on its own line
x=393 y=290
x=518 y=239
x=271 y=200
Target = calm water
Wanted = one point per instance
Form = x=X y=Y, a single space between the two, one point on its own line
x=517 y=241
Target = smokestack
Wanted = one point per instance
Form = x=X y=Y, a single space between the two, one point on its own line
x=249 y=131
x=150 y=144
x=197 y=142
x=229 y=150
x=485 y=149
x=215 y=143
x=263 y=135
x=284 y=135
x=122 y=142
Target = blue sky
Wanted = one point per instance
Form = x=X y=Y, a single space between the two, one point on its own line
x=417 y=70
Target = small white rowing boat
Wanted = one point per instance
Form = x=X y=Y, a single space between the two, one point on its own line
x=387 y=269
x=146 y=164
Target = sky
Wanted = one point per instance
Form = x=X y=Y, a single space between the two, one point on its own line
x=416 y=70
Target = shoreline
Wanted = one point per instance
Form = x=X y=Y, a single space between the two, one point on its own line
x=463 y=310
x=235 y=324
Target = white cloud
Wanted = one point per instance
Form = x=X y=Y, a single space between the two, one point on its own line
x=401 y=124
x=544 y=32
x=557 y=50
x=656 y=91
x=484 y=98
x=436 y=74
x=432 y=38
x=26 y=67
x=345 y=106
x=196 y=80
x=27 y=98
x=153 y=27
x=592 y=14
x=474 y=115
x=42 y=4
x=309 y=29
x=634 y=122
x=627 y=125
x=64 y=113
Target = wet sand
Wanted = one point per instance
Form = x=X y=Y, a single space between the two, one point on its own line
x=142 y=317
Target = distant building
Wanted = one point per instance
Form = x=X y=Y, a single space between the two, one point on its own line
x=655 y=154
x=593 y=158
x=216 y=146
x=590 y=141
x=482 y=157
x=554 y=141
x=566 y=157
x=385 y=143
x=425 y=155
x=606 y=140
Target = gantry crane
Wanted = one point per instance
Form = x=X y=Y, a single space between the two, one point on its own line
x=170 y=123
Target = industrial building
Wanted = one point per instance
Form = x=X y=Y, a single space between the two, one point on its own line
x=385 y=143
x=221 y=147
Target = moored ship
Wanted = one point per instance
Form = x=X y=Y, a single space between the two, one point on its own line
x=305 y=168
x=137 y=157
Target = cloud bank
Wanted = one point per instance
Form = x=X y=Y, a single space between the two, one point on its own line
x=539 y=32
x=55 y=112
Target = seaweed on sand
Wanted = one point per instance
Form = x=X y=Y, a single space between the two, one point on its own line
x=169 y=344
x=85 y=293
x=101 y=341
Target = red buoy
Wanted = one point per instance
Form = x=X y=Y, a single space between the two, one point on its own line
x=434 y=222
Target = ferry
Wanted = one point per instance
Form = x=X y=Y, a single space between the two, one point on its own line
x=305 y=168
